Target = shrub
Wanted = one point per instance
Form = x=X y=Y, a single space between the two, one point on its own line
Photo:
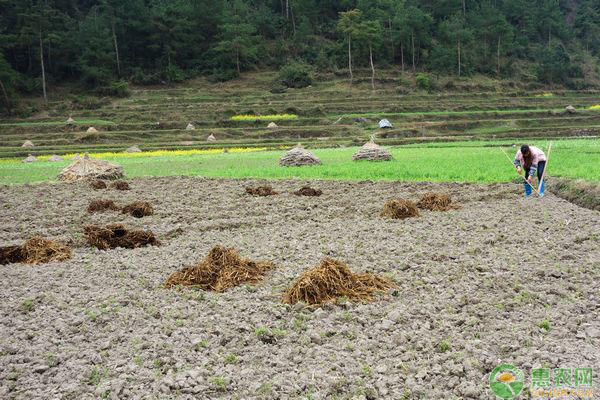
x=278 y=89
x=220 y=75
x=295 y=75
x=174 y=74
x=423 y=81
x=115 y=89
x=95 y=77
x=142 y=78
x=88 y=103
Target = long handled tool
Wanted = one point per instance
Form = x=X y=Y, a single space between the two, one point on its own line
x=544 y=171
x=511 y=162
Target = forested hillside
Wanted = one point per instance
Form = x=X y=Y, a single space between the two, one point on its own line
x=102 y=43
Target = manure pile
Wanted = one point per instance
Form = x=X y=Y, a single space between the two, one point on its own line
x=120 y=185
x=220 y=270
x=261 y=191
x=116 y=235
x=331 y=280
x=308 y=191
x=98 y=184
x=35 y=251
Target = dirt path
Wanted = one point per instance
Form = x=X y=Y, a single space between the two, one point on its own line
x=475 y=284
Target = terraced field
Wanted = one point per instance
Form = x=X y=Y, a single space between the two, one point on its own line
x=330 y=114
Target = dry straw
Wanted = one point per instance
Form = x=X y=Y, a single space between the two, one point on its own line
x=220 y=270
x=436 y=202
x=116 y=235
x=101 y=206
x=333 y=279
x=35 y=251
x=86 y=168
x=138 y=209
x=400 y=209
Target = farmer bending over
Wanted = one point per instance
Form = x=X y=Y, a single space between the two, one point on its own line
x=532 y=160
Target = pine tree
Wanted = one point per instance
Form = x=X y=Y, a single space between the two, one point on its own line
x=349 y=23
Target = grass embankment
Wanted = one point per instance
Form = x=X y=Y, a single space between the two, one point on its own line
x=445 y=162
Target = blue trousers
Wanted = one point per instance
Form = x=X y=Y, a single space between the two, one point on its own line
x=540 y=172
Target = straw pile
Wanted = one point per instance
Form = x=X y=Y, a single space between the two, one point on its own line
x=70 y=121
x=138 y=209
x=56 y=158
x=371 y=151
x=211 y=138
x=30 y=159
x=85 y=168
x=91 y=129
x=308 y=191
x=116 y=235
x=190 y=127
x=261 y=191
x=120 y=185
x=436 y=202
x=400 y=209
x=28 y=143
x=35 y=251
x=101 y=206
x=220 y=270
x=331 y=280
x=272 y=125
x=98 y=184
x=298 y=156
x=133 y=149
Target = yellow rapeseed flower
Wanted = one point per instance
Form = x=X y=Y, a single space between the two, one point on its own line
x=154 y=153
x=274 y=117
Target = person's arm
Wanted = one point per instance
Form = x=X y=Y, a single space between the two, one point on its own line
x=517 y=161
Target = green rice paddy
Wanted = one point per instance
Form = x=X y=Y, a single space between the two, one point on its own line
x=482 y=162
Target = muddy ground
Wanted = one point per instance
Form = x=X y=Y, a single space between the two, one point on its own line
x=503 y=279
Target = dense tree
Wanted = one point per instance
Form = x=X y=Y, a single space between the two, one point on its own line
x=96 y=42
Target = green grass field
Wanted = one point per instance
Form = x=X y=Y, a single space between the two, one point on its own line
x=437 y=162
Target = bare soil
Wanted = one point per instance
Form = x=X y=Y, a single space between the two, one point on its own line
x=475 y=288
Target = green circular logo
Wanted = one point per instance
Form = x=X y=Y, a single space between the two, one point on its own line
x=506 y=381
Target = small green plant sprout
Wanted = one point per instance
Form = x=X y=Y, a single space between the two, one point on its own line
x=219 y=383
x=279 y=333
x=231 y=359
x=366 y=369
x=96 y=375
x=27 y=305
x=261 y=331
x=444 y=346
x=545 y=325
